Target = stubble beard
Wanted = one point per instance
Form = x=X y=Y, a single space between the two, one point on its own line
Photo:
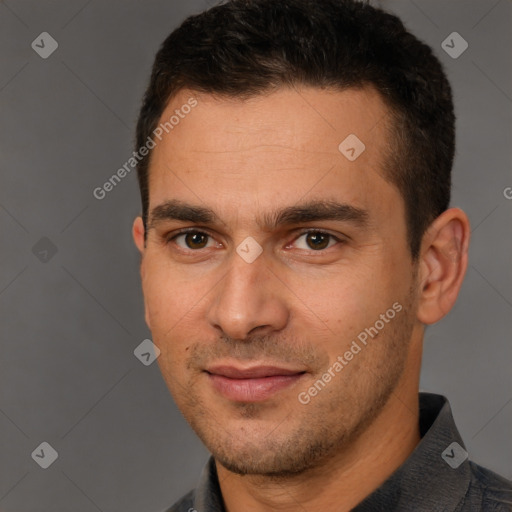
x=329 y=424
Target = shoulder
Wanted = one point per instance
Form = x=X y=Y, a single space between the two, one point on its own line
x=490 y=490
x=184 y=504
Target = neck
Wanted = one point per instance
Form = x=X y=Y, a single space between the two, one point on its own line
x=343 y=481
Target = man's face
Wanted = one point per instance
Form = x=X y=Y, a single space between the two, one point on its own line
x=222 y=313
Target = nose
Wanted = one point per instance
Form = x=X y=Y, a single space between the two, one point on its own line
x=250 y=297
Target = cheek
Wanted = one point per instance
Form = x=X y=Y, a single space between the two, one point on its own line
x=354 y=301
x=166 y=295
x=348 y=293
x=174 y=306
x=165 y=306
x=157 y=297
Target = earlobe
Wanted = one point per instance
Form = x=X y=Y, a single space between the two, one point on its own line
x=443 y=264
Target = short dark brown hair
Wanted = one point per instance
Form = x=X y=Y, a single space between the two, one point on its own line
x=242 y=48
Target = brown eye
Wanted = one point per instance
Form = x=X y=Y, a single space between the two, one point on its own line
x=194 y=240
x=317 y=240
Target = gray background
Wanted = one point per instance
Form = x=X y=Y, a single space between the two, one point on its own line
x=71 y=320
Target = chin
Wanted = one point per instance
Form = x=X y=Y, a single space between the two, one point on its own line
x=277 y=457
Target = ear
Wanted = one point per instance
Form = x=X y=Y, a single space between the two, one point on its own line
x=138 y=233
x=443 y=264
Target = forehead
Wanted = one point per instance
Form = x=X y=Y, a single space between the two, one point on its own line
x=285 y=146
x=302 y=116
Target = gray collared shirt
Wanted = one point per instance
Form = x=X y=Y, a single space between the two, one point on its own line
x=437 y=476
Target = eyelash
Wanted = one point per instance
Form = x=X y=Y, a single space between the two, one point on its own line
x=302 y=233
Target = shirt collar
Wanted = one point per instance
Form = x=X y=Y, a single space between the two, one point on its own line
x=208 y=497
x=424 y=482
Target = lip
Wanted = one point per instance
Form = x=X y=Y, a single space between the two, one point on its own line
x=253 y=384
x=254 y=372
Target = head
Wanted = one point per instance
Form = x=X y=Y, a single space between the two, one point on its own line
x=266 y=120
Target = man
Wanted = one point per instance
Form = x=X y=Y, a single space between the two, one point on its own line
x=296 y=240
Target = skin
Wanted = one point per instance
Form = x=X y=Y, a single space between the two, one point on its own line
x=296 y=305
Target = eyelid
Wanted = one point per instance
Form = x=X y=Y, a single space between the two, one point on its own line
x=174 y=234
x=321 y=231
x=170 y=237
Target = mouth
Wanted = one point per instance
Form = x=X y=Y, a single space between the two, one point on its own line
x=253 y=384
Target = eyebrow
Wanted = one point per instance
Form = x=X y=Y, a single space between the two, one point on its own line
x=296 y=214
